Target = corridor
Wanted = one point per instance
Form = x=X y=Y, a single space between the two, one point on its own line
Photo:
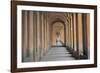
x=55 y=36
x=57 y=54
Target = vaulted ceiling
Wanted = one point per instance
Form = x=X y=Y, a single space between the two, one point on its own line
x=58 y=17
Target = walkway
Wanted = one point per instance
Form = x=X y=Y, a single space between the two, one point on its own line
x=57 y=54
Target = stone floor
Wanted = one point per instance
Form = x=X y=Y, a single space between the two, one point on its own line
x=54 y=54
x=57 y=54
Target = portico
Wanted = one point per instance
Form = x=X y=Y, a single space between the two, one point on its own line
x=44 y=32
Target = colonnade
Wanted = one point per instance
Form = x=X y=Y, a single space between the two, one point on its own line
x=34 y=35
x=78 y=36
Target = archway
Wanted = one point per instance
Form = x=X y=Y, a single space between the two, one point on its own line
x=58 y=34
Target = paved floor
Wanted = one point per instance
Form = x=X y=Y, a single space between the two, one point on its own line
x=57 y=54
x=54 y=54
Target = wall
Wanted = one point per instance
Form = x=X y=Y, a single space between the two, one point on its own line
x=5 y=37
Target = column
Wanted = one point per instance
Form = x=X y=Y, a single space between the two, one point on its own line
x=80 y=35
x=28 y=53
x=45 y=32
x=71 y=31
x=88 y=34
x=25 y=41
x=30 y=36
x=42 y=34
x=35 y=36
x=48 y=33
x=24 y=35
x=68 y=31
x=75 y=43
x=67 y=25
x=38 y=37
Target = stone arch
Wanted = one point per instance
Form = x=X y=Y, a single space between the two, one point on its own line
x=57 y=20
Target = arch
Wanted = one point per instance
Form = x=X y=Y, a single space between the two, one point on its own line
x=51 y=28
x=57 y=18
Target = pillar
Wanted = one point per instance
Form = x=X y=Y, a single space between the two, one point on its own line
x=42 y=33
x=24 y=35
x=71 y=31
x=30 y=36
x=80 y=35
x=74 y=21
x=38 y=36
x=88 y=34
x=77 y=42
x=35 y=36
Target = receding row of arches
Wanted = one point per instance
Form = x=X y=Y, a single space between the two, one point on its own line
x=43 y=30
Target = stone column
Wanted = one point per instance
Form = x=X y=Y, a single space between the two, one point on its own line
x=24 y=35
x=77 y=42
x=31 y=35
x=38 y=36
x=48 y=33
x=25 y=47
x=66 y=33
x=35 y=36
x=75 y=47
x=80 y=34
x=88 y=34
x=71 y=31
x=42 y=33
x=67 y=25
